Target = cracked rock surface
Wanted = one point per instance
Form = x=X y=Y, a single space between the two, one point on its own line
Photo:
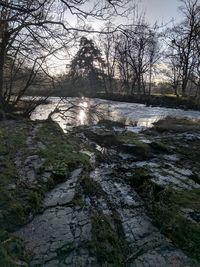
x=64 y=233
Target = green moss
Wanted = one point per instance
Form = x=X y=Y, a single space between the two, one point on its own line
x=159 y=147
x=61 y=157
x=90 y=187
x=108 y=240
x=110 y=124
x=166 y=212
x=165 y=207
x=78 y=200
x=65 y=250
x=13 y=138
x=177 y=125
x=12 y=251
x=139 y=177
x=17 y=200
x=187 y=199
x=139 y=149
x=61 y=153
x=127 y=137
x=35 y=200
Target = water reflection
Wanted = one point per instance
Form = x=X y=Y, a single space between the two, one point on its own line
x=82 y=116
x=83 y=111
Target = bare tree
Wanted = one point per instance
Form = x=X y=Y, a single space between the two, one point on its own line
x=173 y=72
x=126 y=75
x=138 y=53
x=109 y=45
x=31 y=31
x=182 y=43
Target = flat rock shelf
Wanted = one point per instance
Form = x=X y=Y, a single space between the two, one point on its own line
x=104 y=215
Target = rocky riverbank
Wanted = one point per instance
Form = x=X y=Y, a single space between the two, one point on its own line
x=100 y=195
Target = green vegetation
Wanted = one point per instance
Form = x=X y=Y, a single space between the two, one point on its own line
x=61 y=151
x=108 y=240
x=175 y=212
x=159 y=147
x=139 y=177
x=177 y=125
x=12 y=140
x=109 y=124
x=19 y=201
x=86 y=187
x=140 y=149
x=90 y=187
x=12 y=251
x=12 y=209
x=166 y=207
x=168 y=213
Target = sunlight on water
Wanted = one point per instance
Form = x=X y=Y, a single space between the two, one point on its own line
x=82 y=116
x=89 y=111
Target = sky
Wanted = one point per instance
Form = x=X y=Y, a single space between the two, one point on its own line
x=163 y=11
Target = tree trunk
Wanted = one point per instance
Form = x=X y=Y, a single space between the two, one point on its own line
x=2 y=65
x=3 y=46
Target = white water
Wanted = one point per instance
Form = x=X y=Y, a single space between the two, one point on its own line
x=90 y=111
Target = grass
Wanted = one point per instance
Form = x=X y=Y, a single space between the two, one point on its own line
x=108 y=240
x=177 y=125
x=90 y=187
x=165 y=207
x=166 y=204
x=109 y=124
x=139 y=149
x=61 y=153
x=12 y=209
x=187 y=199
x=168 y=215
x=17 y=200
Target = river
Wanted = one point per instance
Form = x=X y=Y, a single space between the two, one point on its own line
x=85 y=111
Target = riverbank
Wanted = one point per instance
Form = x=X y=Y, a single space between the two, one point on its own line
x=100 y=195
x=154 y=100
x=34 y=157
x=157 y=100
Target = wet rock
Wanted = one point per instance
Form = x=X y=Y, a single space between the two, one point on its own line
x=63 y=193
x=52 y=263
x=148 y=247
x=139 y=152
x=47 y=233
x=191 y=215
x=11 y=187
x=63 y=234
x=21 y=263
x=57 y=227
x=157 y=258
x=171 y=157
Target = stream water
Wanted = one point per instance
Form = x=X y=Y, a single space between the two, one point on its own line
x=84 y=111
